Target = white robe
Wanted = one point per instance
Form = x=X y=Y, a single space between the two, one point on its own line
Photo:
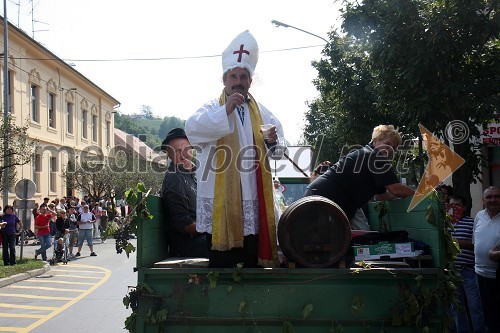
x=203 y=129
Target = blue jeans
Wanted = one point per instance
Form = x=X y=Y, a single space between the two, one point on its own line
x=488 y=291
x=45 y=243
x=468 y=296
x=9 y=249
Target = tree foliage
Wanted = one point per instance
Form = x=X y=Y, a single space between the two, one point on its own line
x=146 y=127
x=147 y=112
x=168 y=124
x=408 y=62
x=19 y=152
x=91 y=177
x=99 y=177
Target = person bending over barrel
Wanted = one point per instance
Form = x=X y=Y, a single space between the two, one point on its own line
x=363 y=173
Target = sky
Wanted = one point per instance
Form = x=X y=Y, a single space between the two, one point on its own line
x=192 y=34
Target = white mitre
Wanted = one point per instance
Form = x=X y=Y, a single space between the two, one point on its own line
x=243 y=52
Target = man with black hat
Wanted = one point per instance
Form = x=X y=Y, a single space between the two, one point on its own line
x=179 y=198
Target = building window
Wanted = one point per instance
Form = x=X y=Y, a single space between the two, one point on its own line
x=53 y=173
x=108 y=133
x=34 y=103
x=94 y=128
x=52 y=111
x=37 y=168
x=84 y=124
x=69 y=114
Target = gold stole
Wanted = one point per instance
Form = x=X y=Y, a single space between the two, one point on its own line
x=227 y=216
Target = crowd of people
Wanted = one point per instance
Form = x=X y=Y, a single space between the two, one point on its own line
x=79 y=220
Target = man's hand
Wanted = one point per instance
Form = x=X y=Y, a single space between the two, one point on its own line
x=399 y=190
x=494 y=253
x=233 y=101
x=272 y=135
x=191 y=229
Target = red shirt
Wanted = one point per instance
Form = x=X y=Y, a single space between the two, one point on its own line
x=43 y=221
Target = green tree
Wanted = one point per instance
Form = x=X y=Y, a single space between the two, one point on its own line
x=20 y=149
x=346 y=110
x=408 y=62
x=127 y=124
x=147 y=111
x=148 y=129
x=168 y=124
x=100 y=177
x=90 y=176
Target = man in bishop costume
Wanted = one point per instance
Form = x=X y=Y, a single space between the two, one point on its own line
x=235 y=188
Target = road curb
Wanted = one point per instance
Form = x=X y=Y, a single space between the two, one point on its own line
x=23 y=276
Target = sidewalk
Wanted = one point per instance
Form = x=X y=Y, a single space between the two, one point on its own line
x=24 y=276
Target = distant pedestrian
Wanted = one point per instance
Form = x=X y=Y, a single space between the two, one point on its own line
x=35 y=210
x=485 y=235
x=42 y=230
x=86 y=221
x=467 y=293
x=73 y=230
x=123 y=207
x=9 y=223
x=97 y=211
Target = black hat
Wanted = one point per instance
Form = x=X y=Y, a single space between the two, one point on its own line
x=173 y=134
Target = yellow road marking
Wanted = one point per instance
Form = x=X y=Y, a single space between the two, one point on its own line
x=47 y=288
x=54 y=310
x=11 y=329
x=59 y=281
x=80 y=277
x=21 y=315
x=37 y=297
x=27 y=307
x=75 y=271
x=107 y=274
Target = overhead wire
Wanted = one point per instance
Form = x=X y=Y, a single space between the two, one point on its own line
x=163 y=58
x=143 y=59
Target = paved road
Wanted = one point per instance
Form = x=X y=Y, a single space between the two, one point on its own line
x=83 y=296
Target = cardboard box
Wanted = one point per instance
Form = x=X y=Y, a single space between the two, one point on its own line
x=383 y=250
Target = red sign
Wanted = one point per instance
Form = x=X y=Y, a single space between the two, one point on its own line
x=491 y=135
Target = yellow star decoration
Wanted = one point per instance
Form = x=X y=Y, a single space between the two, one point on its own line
x=443 y=161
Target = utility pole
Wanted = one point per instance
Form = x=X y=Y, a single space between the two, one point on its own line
x=5 y=175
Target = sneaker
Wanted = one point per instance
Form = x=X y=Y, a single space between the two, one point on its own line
x=36 y=255
x=93 y=254
x=77 y=254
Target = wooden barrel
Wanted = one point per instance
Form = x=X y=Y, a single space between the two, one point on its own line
x=314 y=232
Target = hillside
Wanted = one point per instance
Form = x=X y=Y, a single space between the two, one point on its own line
x=148 y=128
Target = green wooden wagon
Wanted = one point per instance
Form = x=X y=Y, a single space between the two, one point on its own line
x=364 y=299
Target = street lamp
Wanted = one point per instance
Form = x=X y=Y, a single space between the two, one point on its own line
x=281 y=24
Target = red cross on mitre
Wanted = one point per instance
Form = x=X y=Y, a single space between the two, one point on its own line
x=240 y=52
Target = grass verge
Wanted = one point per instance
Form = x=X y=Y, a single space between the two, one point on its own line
x=21 y=266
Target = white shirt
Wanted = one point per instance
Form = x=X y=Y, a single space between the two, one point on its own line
x=203 y=129
x=486 y=234
x=86 y=217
